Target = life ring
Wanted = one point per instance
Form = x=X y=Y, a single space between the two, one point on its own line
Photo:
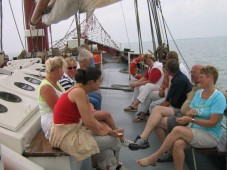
x=133 y=67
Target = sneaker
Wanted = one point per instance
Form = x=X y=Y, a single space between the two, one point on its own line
x=139 y=144
x=165 y=157
x=126 y=142
x=138 y=137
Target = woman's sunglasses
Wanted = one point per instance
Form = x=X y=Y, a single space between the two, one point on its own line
x=70 y=68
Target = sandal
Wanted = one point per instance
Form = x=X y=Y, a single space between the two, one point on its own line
x=140 y=117
x=145 y=162
x=130 y=109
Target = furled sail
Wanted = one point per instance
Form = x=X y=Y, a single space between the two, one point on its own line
x=65 y=9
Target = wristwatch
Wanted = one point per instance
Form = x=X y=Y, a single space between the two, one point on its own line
x=193 y=119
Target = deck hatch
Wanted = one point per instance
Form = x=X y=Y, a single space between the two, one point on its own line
x=32 y=80
x=10 y=97
x=3 y=109
x=24 y=86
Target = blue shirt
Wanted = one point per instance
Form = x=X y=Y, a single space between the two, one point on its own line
x=215 y=104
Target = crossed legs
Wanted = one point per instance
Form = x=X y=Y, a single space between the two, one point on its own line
x=178 y=138
x=157 y=118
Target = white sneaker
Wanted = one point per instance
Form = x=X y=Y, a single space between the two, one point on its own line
x=126 y=142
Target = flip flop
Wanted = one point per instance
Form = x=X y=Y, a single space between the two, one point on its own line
x=130 y=109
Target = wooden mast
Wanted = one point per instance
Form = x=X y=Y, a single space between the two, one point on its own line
x=37 y=39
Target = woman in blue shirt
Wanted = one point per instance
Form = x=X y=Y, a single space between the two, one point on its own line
x=205 y=114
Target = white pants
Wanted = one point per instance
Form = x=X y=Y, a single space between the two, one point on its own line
x=154 y=96
x=46 y=121
x=142 y=92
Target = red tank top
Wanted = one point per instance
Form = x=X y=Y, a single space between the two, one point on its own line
x=66 y=112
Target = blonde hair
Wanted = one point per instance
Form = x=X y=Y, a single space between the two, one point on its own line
x=210 y=71
x=70 y=60
x=55 y=63
x=84 y=55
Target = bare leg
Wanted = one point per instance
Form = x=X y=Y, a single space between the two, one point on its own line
x=161 y=129
x=161 y=133
x=102 y=115
x=178 y=153
x=179 y=132
x=155 y=118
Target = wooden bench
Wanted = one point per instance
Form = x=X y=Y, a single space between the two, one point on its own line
x=219 y=151
x=40 y=147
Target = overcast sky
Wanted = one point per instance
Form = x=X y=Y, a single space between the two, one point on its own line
x=185 y=18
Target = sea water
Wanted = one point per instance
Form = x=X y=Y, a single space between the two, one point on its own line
x=206 y=51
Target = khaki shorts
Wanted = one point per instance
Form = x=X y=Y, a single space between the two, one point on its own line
x=203 y=139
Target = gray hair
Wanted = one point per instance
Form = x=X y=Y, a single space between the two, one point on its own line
x=84 y=55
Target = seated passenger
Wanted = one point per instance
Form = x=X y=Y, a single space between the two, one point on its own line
x=177 y=94
x=68 y=80
x=76 y=131
x=84 y=58
x=155 y=97
x=205 y=114
x=49 y=91
x=151 y=81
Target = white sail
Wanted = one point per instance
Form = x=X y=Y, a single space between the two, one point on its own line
x=65 y=9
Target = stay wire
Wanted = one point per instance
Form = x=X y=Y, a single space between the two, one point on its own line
x=176 y=44
x=16 y=24
x=22 y=7
x=125 y=26
x=30 y=15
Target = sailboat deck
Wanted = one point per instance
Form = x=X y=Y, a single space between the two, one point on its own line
x=115 y=101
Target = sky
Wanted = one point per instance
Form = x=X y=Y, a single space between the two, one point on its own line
x=185 y=19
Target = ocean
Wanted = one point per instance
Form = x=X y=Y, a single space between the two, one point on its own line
x=206 y=51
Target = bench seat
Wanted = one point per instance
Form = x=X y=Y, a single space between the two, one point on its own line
x=40 y=147
x=220 y=150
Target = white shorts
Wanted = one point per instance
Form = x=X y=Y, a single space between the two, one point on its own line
x=46 y=121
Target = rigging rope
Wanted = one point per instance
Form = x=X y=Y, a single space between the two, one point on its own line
x=125 y=26
x=156 y=22
x=167 y=42
x=51 y=41
x=22 y=7
x=16 y=25
x=151 y=24
x=31 y=30
x=176 y=44
x=138 y=28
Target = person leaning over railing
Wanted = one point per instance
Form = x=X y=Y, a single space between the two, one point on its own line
x=205 y=114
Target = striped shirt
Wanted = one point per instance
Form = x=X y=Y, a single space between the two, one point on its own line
x=66 y=82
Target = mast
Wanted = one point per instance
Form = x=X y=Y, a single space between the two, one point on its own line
x=37 y=39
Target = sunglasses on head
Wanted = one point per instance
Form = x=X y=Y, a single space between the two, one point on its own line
x=70 y=68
